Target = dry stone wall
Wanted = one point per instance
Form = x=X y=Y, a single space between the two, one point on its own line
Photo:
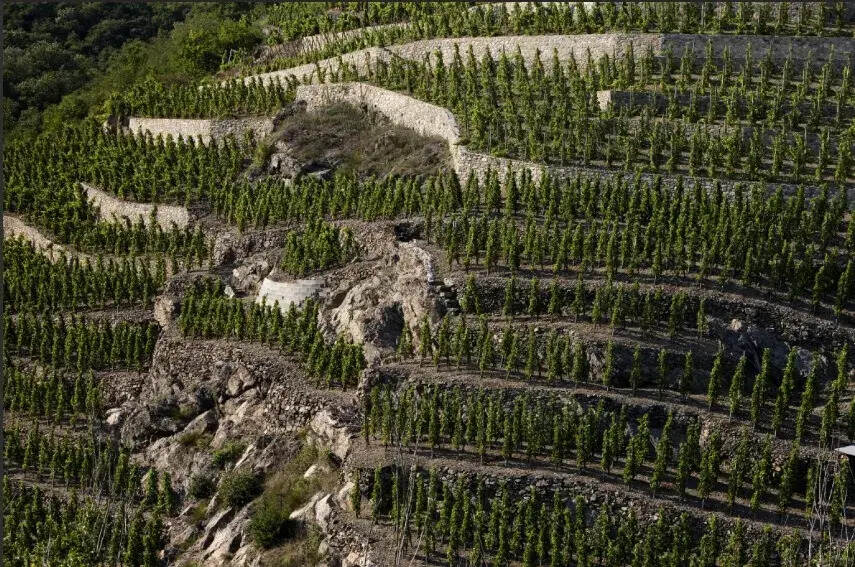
x=14 y=226
x=425 y=118
x=432 y=120
x=564 y=45
x=203 y=130
x=112 y=208
x=818 y=49
x=287 y=293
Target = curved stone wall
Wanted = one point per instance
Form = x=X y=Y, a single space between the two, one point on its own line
x=286 y=293
x=425 y=118
x=14 y=226
x=113 y=208
x=529 y=45
x=818 y=48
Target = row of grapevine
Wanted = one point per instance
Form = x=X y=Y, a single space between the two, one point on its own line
x=320 y=246
x=489 y=526
x=79 y=344
x=505 y=109
x=541 y=432
x=44 y=528
x=51 y=394
x=453 y=19
x=141 y=168
x=563 y=359
x=207 y=313
x=234 y=98
x=85 y=464
x=35 y=282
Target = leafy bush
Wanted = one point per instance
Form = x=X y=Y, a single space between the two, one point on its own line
x=270 y=522
x=228 y=453
x=201 y=486
x=238 y=488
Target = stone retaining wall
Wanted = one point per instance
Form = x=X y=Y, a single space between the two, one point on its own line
x=287 y=293
x=425 y=118
x=203 y=130
x=529 y=45
x=14 y=226
x=113 y=208
x=818 y=48
x=430 y=119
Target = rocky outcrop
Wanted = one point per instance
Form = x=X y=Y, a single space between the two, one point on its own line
x=233 y=246
x=374 y=309
x=111 y=208
x=750 y=339
x=328 y=431
x=225 y=390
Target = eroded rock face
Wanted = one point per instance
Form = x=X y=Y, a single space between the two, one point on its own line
x=247 y=276
x=328 y=431
x=740 y=337
x=375 y=309
x=231 y=247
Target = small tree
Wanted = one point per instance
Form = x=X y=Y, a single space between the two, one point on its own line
x=635 y=372
x=377 y=494
x=758 y=392
x=714 y=380
x=355 y=494
x=736 y=384
x=686 y=375
x=663 y=455
x=609 y=368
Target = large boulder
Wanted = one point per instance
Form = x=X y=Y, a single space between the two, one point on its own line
x=327 y=431
x=740 y=338
x=374 y=309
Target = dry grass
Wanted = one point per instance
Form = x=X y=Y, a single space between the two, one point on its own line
x=341 y=136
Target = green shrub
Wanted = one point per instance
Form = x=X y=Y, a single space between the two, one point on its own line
x=228 y=453
x=238 y=488
x=201 y=486
x=270 y=523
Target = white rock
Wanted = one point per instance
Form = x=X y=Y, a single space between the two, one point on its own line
x=342 y=497
x=331 y=434
x=315 y=470
x=306 y=513
x=114 y=416
x=323 y=511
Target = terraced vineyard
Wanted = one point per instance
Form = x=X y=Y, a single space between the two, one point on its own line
x=446 y=284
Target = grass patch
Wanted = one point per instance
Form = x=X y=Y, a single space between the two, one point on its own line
x=228 y=453
x=201 y=486
x=365 y=143
x=297 y=552
x=239 y=488
x=286 y=491
x=198 y=439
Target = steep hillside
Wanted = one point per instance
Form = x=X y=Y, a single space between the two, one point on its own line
x=447 y=283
